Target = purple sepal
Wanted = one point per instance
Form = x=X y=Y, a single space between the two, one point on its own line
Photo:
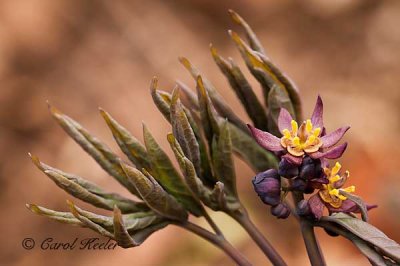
x=333 y=153
x=265 y=139
x=334 y=137
x=316 y=118
x=284 y=120
x=348 y=206
x=316 y=206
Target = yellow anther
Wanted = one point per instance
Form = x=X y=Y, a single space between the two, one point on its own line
x=317 y=131
x=334 y=192
x=336 y=168
x=350 y=189
x=311 y=139
x=295 y=127
x=309 y=126
x=347 y=173
x=286 y=133
x=296 y=141
x=334 y=179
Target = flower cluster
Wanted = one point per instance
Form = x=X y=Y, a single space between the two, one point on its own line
x=304 y=152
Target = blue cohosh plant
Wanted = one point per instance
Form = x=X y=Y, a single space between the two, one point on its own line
x=290 y=156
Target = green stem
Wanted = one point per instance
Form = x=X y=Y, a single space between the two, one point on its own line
x=244 y=220
x=217 y=241
x=307 y=229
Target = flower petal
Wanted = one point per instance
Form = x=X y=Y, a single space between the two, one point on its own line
x=284 y=120
x=265 y=139
x=316 y=118
x=293 y=159
x=332 y=138
x=333 y=153
x=316 y=206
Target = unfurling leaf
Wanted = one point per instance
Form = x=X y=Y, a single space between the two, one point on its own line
x=219 y=103
x=62 y=217
x=269 y=77
x=165 y=108
x=87 y=191
x=161 y=99
x=255 y=44
x=190 y=95
x=368 y=233
x=249 y=151
x=87 y=222
x=223 y=160
x=154 y=195
x=186 y=166
x=166 y=174
x=128 y=234
x=94 y=147
x=131 y=146
x=208 y=115
x=221 y=201
x=184 y=132
x=242 y=89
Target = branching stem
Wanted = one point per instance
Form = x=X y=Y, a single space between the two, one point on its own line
x=217 y=241
x=244 y=220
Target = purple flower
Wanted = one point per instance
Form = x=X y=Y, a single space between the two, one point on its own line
x=329 y=195
x=308 y=139
x=268 y=186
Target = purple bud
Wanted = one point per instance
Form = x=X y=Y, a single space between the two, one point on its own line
x=268 y=186
x=287 y=169
x=310 y=168
x=281 y=211
x=302 y=208
x=299 y=184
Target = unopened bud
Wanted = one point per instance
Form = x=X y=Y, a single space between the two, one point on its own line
x=281 y=211
x=302 y=208
x=287 y=169
x=268 y=186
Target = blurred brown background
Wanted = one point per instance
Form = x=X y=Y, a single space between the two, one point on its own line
x=83 y=54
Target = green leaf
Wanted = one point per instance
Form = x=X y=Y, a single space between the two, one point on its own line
x=221 y=201
x=154 y=195
x=166 y=174
x=219 y=103
x=131 y=146
x=368 y=233
x=94 y=147
x=242 y=89
x=249 y=151
x=87 y=191
x=269 y=77
x=184 y=132
x=255 y=44
x=359 y=202
x=224 y=168
x=121 y=234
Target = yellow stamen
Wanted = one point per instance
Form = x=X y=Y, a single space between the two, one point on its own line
x=296 y=141
x=286 y=133
x=317 y=131
x=336 y=169
x=350 y=189
x=308 y=126
x=334 y=179
x=295 y=127
x=311 y=139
